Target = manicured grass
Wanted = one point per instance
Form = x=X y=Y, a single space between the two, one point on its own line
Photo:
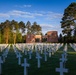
x=11 y=67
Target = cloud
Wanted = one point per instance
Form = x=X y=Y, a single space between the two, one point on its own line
x=27 y=5
x=53 y=15
x=47 y=25
x=3 y=15
x=25 y=14
x=37 y=14
x=23 y=6
x=50 y=27
x=49 y=15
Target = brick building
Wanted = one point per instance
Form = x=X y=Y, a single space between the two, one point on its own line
x=52 y=36
x=31 y=38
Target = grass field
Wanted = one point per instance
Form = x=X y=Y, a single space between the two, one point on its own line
x=11 y=67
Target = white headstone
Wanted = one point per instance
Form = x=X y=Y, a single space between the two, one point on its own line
x=61 y=69
x=23 y=48
x=0 y=65
x=30 y=52
x=25 y=52
x=25 y=64
x=41 y=50
x=50 y=52
x=63 y=59
x=65 y=48
x=38 y=59
x=3 y=55
x=65 y=54
x=19 y=58
x=45 y=55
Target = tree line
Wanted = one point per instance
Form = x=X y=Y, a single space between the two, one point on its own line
x=68 y=24
x=15 y=32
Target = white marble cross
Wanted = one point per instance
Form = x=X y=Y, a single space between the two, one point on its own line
x=3 y=56
x=30 y=52
x=38 y=59
x=0 y=64
x=61 y=69
x=45 y=55
x=19 y=58
x=41 y=50
x=25 y=52
x=63 y=59
x=65 y=54
x=25 y=64
x=65 y=48
x=50 y=52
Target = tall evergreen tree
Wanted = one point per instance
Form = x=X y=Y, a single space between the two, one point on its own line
x=6 y=31
x=28 y=27
x=22 y=26
x=68 y=20
x=35 y=28
x=15 y=29
x=60 y=38
x=74 y=37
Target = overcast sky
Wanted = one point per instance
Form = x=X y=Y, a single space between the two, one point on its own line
x=47 y=13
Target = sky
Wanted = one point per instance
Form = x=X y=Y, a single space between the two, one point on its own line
x=47 y=13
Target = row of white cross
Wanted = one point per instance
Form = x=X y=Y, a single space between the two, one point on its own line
x=73 y=46
x=18 y=55
x=38 y=57
x=63 y=60
x=38 y=46
x=29 y=51
x=2 y=59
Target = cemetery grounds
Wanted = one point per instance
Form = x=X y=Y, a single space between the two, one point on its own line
x=11 y=67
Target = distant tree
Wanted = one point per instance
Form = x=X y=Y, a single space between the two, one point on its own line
x=44 y=39
x=14 y=25
x=36 y=29
x=74 y=36
x=0 y=36
x=28 y=27
x=24 y=39
x=0 y=33
x=37 y=40
x=11 y=39
x=19 y=38
x=60 y=38
x=75 y=32
x=14 y=32
x=22 y=26
x=15 y=29
x=6 y=31
x=68 y=20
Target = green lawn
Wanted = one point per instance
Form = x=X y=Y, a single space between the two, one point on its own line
x=11 y=67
